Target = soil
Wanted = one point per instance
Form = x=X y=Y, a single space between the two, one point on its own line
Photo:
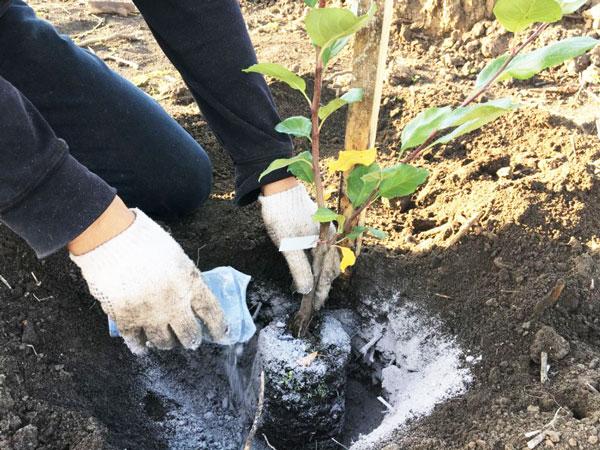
x=533 y=176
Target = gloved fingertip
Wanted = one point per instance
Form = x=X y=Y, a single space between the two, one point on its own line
x=136 y=348
x=190 y=340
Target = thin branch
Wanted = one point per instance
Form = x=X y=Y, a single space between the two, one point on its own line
x=315 y=141
x=479 y=92
x=372 y=198
x=258 y=414
x=267 y=442
x=6 y=283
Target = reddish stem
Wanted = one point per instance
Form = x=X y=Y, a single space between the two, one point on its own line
x=314 y=112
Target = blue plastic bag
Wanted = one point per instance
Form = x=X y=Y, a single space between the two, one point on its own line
x=229 y=286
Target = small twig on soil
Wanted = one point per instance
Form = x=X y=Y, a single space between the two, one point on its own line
x=537 y=440
x=33 y=348
x=541 y=433
x=3 y=280
x=447 y=297
x=267 y=442
x=500 y=264
x=365 y=348
x=465 y=227
x=551 y=423
x=435 y=230
x=256 y=311
x=339 y=443
x=104 y=39
x=42 y=299
x=122 y=61
x=544 y=368
x=100 y=23
x=385 y=403
x=38 y=283
x=592 y=388
x=258 y=414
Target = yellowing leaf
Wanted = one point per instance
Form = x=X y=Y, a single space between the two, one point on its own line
x=349 y=158
x=348 y=258
x=307 y=360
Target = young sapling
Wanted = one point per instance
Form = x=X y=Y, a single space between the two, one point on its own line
x=366 y=182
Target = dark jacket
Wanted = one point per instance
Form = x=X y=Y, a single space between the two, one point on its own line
x=46 y=195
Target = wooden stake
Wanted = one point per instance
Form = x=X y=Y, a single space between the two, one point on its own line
x=368 y=67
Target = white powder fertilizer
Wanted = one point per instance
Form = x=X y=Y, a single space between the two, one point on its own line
x=428 y=369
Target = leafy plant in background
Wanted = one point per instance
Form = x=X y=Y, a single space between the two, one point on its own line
x=366 y=181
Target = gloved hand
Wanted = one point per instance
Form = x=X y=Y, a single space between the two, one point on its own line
x=289 y=214
x=151 y=289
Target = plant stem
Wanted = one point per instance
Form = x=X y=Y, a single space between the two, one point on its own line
x=479 y=92
x=314 y=112
x=303 y=317
x=348 y=225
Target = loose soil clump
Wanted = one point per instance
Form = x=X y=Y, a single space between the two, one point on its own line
x=305 y=383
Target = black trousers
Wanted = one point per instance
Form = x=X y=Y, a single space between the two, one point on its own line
x=73 y=132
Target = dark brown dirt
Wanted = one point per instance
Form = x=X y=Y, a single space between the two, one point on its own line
x=60 y=372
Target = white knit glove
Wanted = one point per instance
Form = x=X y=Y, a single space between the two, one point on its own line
x=151 y=289
x=289 y=214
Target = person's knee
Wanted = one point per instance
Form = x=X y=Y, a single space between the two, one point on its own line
x=185 y=189
x=29 y=35
x=197 y=182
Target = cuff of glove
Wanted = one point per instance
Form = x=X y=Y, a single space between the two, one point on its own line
x=293 y=198
x=141 y=235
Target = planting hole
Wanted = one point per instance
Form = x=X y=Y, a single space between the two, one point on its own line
x=201 y=399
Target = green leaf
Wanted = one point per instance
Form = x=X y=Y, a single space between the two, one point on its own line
x=296 y=125
x=311 y=3
x=358 y=230
x=527 y=65
x=298 y=160
x=280 y=73
x=341 y=220
x=352 y=96
x=359 y=190
x=300 y=169
x=378 y=234
x=421 y=127
x=464 y=114
x=463 y=119
x=516 y=15
x=472 y=117
x=332 y=51
x=570 y=6
x=324 y=215
x=326 y=25
x=490 y=70
x=401 y=180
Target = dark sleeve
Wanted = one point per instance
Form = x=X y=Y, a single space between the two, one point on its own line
x=46 y=196
x=208 y=43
